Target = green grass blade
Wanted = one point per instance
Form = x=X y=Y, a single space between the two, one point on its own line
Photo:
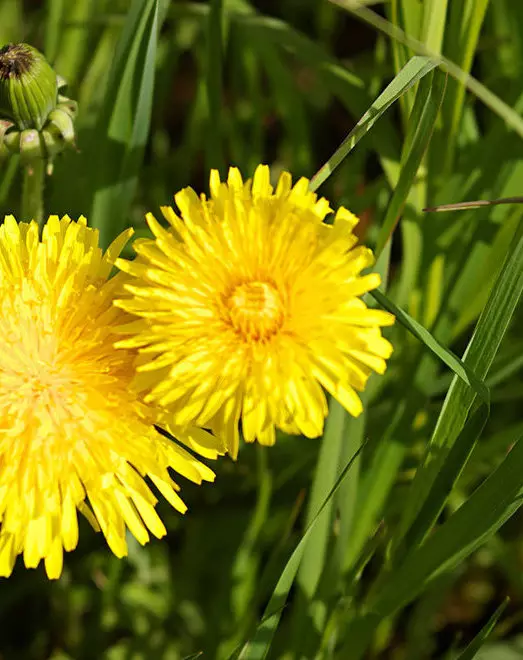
x=479 y=355
x=53 y=27
x=450 y=467
x=474 y=523
x=491 y=100
x=470 y=21
x=326 y=474
x=258 y=647
x=315 y=554
x=123 y=126
x=375 y=487
x=423 y=119
x=213 y=66
x=411 y=73
x=433 y=24
x=475 y=645
x=477 y=520
x=462 y=371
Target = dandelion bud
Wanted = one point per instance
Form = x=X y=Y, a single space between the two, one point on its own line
x=28 y=86
x=36 y=120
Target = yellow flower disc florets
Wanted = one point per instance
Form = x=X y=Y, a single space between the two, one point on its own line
x=255 y=310
x=250 y=306
x=73 y=432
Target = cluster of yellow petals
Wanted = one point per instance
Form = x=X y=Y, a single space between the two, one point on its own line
x=74 y=434
x=238 y=316
x=249 y=307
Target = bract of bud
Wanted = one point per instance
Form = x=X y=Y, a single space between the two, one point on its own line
x=4 y=127
x=28 y=86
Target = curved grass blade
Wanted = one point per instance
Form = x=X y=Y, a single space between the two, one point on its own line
x=478 y=357
x=474 y=523
x=464 y=372
x=412 y=72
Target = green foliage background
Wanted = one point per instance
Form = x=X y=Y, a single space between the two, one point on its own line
x=415 y=541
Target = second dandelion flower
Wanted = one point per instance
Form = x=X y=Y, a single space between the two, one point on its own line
x=250 y=308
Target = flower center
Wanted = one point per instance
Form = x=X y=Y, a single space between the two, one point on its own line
x=256 y=310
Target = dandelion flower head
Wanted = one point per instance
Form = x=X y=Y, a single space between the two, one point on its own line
x=73 y=434
x=251 y=308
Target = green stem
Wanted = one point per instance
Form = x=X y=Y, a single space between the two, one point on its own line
x=33 y=192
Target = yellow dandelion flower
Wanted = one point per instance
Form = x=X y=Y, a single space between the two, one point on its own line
x=250 y=308
x=73 y=433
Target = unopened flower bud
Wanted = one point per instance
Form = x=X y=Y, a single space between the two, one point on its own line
x=28 y=86
x=36 y=120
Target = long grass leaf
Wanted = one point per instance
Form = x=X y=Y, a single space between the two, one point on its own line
x=258 y=646
x=411 y=73
x=490 y=99
x=479 y=356
x=213 y=74
x=123 y=127
x=424 y=114
x=474 y=523
x=475 y=645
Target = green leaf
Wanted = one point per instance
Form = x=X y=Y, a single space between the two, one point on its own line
x=421 y=125
x=491 y=100
x=258 y=647
x=475 y=645
x=122 y=129
x=478 y=357
x=411 y=73
x=213 y=71
x=476 y=521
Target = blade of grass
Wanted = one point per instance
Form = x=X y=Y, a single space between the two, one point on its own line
x=433 y=24
x=258 y=646
x=464 y=206
x=482 y=636
x=491 y=100
x=469 y=19
x=424 y=114
x=213 y=75
x=476 y=521
x=314 y=556
x=462 y=370
x=123 y=125
x=479 y=355
x=411 y=73
x=53 y=28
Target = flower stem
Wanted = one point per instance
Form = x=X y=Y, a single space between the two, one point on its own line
x=33 y=192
